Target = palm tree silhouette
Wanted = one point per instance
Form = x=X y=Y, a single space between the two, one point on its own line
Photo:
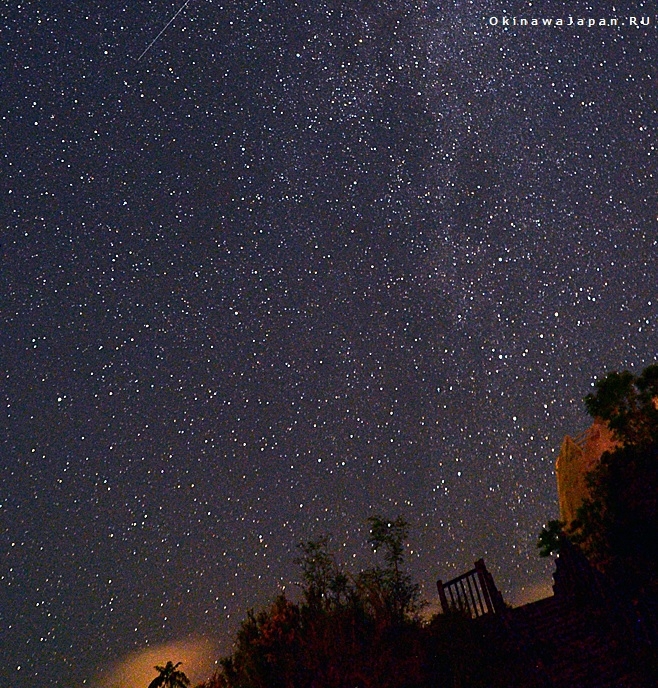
x=170 y=677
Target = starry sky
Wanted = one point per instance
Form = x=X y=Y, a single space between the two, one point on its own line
x=298 y=264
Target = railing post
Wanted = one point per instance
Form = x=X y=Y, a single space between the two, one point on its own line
x=474 y=593
x=493 y=594
x=481 y=570
x=442 y=596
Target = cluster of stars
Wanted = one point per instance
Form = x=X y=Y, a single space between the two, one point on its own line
x=292 y=268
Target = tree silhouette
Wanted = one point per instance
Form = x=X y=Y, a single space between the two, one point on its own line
x=348 y=631
x=628 y=403
x=549 y=538
x=170 y=677
x=324 y=583
x=399 y=592
x=617 y=524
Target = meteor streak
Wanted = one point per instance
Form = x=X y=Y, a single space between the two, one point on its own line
x=148 y=47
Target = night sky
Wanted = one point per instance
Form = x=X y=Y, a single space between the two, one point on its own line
x=301 y=263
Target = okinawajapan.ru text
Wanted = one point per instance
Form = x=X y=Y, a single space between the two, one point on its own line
x=569 y=21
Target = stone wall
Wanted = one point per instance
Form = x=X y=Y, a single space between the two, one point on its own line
x=578 y=457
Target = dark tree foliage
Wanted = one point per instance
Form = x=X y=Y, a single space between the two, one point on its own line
x=549 y=538
x=324 y=584
x=617 y=525
x=389 y=535
x=390 y=588
x=628 y=404
x=169 y=676
x=358 y=631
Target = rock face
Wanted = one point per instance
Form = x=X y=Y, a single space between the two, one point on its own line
x=577 y=457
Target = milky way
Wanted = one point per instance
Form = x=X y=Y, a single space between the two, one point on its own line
x=299 y=264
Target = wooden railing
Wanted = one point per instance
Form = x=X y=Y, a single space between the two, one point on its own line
x=473 y=593
x=581 y=439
